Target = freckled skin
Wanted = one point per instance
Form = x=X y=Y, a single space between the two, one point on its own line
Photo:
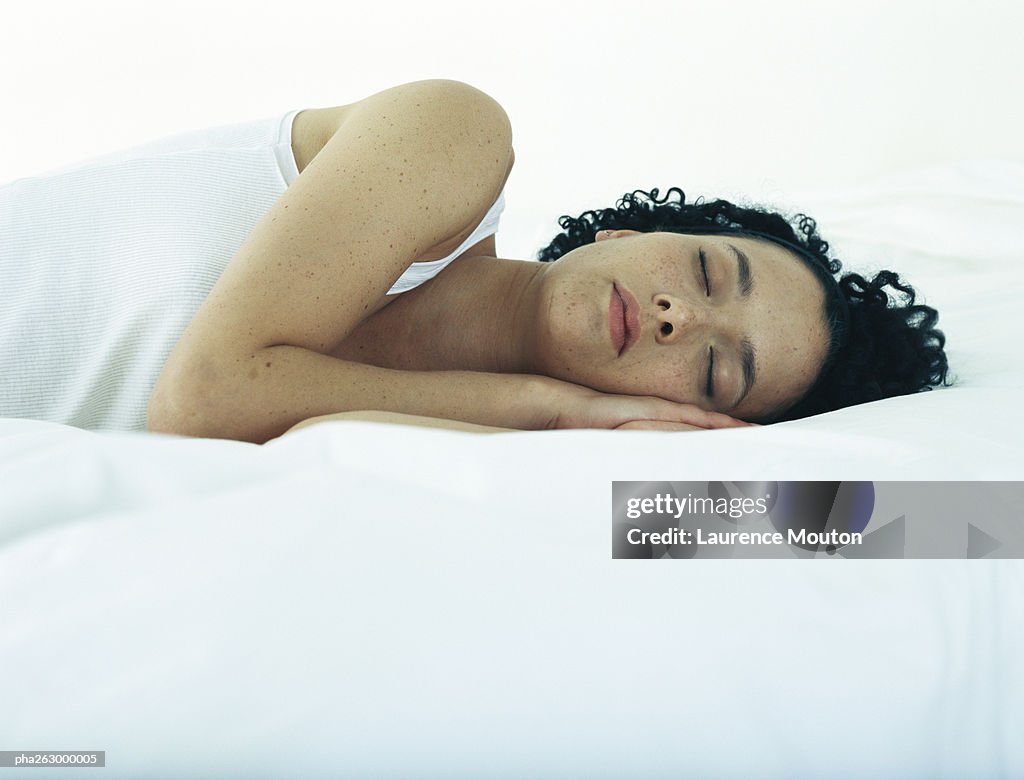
x=783 y=318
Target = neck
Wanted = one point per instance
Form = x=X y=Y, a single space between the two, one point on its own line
x=480 y=315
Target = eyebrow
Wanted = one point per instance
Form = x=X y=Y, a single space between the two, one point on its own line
x=744 y=281
x=748 y=355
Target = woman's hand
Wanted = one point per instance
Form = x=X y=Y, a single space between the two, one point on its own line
x=587 y=408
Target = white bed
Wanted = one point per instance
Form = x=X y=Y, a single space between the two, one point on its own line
x=361 y=600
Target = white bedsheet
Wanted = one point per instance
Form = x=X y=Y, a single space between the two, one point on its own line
x=359 y=600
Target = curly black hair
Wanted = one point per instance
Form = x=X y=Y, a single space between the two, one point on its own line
x=879 y=347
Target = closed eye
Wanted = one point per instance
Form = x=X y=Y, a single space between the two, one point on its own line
x=704 y=270
x=710 y=387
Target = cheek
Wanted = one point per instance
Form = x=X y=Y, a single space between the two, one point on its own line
x=671 y=270
x=800 y=353
x=565 y=333
x=666 y=376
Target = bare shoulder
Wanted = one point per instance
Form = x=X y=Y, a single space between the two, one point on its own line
x=407 y=169
x=397 y=418
x=314 y=127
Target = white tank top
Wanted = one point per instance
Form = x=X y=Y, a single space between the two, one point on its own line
x=104 y=263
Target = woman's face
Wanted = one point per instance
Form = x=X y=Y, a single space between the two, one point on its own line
x=632 y=314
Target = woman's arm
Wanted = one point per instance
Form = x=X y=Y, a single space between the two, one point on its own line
x=409 y=168
x=420 y=421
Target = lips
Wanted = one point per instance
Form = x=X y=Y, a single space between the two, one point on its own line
x=623 y=318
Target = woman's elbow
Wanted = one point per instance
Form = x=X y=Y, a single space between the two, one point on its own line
x=184 y=409
x=170 y=412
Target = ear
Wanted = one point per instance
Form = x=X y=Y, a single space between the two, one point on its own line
x=604 y=235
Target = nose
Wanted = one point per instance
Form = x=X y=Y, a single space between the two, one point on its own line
x=675 y=318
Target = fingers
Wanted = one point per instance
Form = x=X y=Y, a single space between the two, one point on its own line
x=694 y=415
x=719 y=420
x=612 y=411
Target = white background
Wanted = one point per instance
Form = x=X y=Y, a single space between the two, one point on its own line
x=756 y=100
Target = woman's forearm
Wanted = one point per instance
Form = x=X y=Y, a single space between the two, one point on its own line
x=263 y=395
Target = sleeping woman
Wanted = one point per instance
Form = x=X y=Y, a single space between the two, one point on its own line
x=369 y=287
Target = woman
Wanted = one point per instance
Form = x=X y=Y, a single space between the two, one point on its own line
x=371 y=283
